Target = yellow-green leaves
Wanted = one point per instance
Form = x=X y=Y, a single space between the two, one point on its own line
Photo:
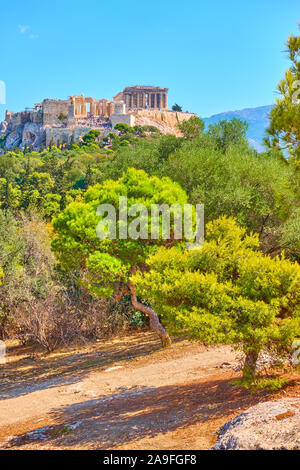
x=77 y=245
x=226 y=292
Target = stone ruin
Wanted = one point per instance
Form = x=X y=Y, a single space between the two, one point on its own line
x=62 y=121
x=145 y=97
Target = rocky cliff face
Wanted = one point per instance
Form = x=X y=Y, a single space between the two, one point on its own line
x=36 y=136
x=21 y=129
x=165 y=121
x=19 y=134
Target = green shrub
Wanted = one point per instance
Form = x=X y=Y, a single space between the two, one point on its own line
x=260 y=383
x=226 y=292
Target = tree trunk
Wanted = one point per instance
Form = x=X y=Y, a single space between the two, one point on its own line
x=250 y=364
x=154 y=320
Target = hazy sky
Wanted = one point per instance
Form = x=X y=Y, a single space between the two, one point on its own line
x=213 y=56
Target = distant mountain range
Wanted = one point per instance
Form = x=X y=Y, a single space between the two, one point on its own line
x=257 y=119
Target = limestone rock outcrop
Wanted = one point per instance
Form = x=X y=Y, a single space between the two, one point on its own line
x=13 y=138
x=166 y=121
x=3 y=127
x=33 y=136
x=271 y=425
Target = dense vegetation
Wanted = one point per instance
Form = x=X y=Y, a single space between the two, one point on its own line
x=227 y=292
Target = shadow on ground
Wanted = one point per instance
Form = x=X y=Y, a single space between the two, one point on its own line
x=123 y=418
x=28 y=374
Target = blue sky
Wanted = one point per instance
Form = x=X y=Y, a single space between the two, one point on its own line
x=213 y=56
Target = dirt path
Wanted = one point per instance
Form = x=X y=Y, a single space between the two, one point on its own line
x=122 y=394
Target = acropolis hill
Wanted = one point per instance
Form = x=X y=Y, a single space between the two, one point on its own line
x=62 y=121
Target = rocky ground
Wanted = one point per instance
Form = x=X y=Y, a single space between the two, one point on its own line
x=126 y=393
x=271 y=425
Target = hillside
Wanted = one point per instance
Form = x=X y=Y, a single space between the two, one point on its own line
x=257 y=119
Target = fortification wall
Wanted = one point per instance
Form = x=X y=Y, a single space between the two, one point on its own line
x=64 y=135
x=128 y=119
x=52 y=109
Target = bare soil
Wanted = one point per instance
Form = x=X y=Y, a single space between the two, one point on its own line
x=126 y=393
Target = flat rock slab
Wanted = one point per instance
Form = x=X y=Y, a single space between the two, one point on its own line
x=110 y=369
x=271 y=425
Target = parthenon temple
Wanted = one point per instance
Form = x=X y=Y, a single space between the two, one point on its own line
x=146 y=97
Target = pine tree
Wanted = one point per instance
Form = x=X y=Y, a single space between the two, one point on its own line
x=284 y=129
